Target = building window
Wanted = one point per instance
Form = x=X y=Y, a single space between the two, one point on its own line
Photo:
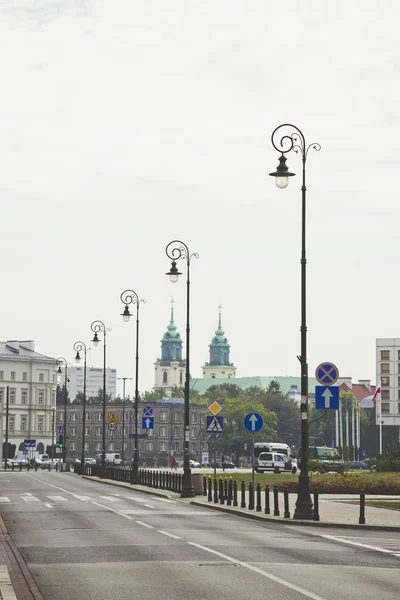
x=165 y=377
x=125 y=446
x=150 y=432
x=177 y=417
x=87 y=431
x=11 y=422
x=193 y=448
x=163 y=415
x=385 y=381
x=87 y=416
x=109 y=432
x=12 y=396
x=12 y=375
x=41 y=398
x=72 y=446
x=162 y=431
x=1 y=394
x=23 y=423
x=86 y=446
x=177 y=431
x=193 y=432
x=24 y=396
x=194 y=417
x=1 y=374
x=60 y=416
x=385 y=407
x=24 y=376
x=111 y=447
x=162 y=446
x=181 y=377
x=149 y=446
x=73 y=431
x=385 y=368
x=398 y=354
x=40 y=424
x=385 y=354
x=385 y=394
x=98 y=431
x=175 y=446
x=99 y=416
x=73 y=416
x=41 y=378
x=97 y=446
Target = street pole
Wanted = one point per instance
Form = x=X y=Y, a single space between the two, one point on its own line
x=176 y=250
x=62 y=362
x=79 y=347
x=7 y=408
x=353 y=425
x=294 y=140
x=96 y=327
x=123 y=415
x=128 y=297
x=52 y=433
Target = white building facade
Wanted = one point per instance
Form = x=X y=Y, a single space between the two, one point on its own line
x=388 y=377
x=94 y=381
x=30 y=381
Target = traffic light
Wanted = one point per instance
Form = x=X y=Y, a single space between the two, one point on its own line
x=61 y=440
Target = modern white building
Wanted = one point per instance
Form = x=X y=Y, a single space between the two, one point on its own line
x=94 y=381
x=29 y=379
x=388 y=377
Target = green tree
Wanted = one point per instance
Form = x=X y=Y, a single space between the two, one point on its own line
x=153 y=395
x=60 y=394
x=99 y=398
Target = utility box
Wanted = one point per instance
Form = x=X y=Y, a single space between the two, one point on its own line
x=197 y=483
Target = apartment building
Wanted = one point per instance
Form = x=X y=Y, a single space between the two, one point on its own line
x=388 y=377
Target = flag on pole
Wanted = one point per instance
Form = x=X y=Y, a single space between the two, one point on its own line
x=377 y=391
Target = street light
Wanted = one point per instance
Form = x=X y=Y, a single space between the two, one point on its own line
x=284 y=143
x=176 y=250
x=62 y=362
x=96 y=327
x=79 y=347
x=123 y=416
x=130 y=297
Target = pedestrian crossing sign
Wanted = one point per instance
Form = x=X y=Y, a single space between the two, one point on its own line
x=215 y=424
x=112 y=418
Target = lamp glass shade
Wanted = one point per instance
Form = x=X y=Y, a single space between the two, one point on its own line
x=173 y=277
x=282 y=181
x=126 y=318
x=95 y=341
x=77 y=358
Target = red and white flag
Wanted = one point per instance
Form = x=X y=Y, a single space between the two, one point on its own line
x=377 y=391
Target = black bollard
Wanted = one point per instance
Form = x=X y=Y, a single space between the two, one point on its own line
x=215 y=491
x=229 y=497
x=204 y=485
x=49 y=466
x=235 y=500
x=276 y=502
x=221 y=492
x=258 y=496
x=20 y=466
x=225 y=489
x=286 y=514
x=361 y=520
x=251 y=496
x=12 y=467
x=267 y=509
x=209 y=489
x=316 y=505
x=243 y=495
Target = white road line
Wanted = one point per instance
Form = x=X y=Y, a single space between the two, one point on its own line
x=57 y=499
x=358 y=544
x=162 y=499
x=283 y=582
x=176 y=537
x=48 y=505
x=111 y=498
x=117 y=512
x=144 y=524
x=148 y=505
x=136 y=499
x=4 y=499
x=30 y=498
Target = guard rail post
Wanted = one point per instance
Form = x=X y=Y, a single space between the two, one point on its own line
x=286 y=514
x=243 y=495
x=215 y=491
x=251 y=496
x=235 y=499
x=276 y=502
x=209 y=489
x=221 y=492
x=204 y=485
x=258 y=496
x=361 y=520
x=229 y=499
x=267 y=509
x=316 y=505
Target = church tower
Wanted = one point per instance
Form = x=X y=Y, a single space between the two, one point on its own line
x=170 y=369
x=219 y=365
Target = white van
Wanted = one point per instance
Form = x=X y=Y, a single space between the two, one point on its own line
x=272 y=461
x=113 y=458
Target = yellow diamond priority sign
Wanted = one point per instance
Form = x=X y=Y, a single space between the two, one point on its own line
x=112 y=418
x=215 y=408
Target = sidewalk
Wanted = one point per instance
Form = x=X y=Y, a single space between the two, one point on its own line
x=334 y=511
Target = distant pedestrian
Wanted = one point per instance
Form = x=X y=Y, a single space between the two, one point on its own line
x=173 y=463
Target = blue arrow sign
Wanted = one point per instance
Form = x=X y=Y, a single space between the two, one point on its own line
x=147 y=422
x=60 y=429
x=215 y=424
x=253 y=422
x=140 y=435
x=327 y=373
x=327 y=398
x=148 y=411
x=25 y=451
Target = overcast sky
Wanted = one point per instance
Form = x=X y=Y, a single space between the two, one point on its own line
x=125 y=124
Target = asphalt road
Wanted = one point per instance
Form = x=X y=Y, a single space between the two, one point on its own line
x=85 y=540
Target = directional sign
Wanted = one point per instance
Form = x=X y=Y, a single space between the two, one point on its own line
x=327 y=373
x=147 y=422
x=148 y=411
x=140 y=435
x=112 y=418
x=253 y=422
x=30 y=443
x=215 y=408
x=327 y=397
x=112 y=426
x=60 y=429
x=25 y=451
x=215 y=424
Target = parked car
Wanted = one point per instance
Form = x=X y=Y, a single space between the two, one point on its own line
x=90 y=460
x=226 y=464
x=358 y=464
x=193 y=464
x=11 y=462
x=273 y=461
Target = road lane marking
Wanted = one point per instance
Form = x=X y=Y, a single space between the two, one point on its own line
x=135 y=499
x=144 y=524
x=176 y=537
x=30 y=498
x=162 y=499
x=358 y=544
x=117 y=512
x=4 y=499
x=111 y=498
x=283 y=582
x=148 y=505
x=48 y=505
x=57 y=498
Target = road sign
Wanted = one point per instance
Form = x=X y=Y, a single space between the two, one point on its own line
x=214 y=424
x=60 y=429
x=147 y=422
x=25 y=451
x=112 y=426
x=215 y=408
x=140 y=435
x=148 y=411
x=30 y=443
x=253 y=422
x=245 y=446
x=327 y=397
x=112 y=418
x=327 y=373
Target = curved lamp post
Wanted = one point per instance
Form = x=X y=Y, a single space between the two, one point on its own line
x=62 y=362
x=286 y=138
x=176 y=250
x=81 y=347
x=130 y=297
x=97 y=327
x=124 y=379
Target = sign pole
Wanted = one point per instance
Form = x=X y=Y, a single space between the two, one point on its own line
x=215 y=458
x=252 y=459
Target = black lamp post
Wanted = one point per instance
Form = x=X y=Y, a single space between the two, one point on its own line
x=130 y=297
x=176 y=250
x=291 y=138
x=96 y=327
x=79 y=347
x=123 y=416
x=62 y=362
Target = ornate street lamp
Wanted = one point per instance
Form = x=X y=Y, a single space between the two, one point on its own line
x=97 y=327
x=79 y=347
x=62 y=362
x=176 y=250
x=283 y=142
x=124 y=379
x=130 y=297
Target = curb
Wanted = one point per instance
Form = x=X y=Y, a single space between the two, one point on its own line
x=129 y=486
